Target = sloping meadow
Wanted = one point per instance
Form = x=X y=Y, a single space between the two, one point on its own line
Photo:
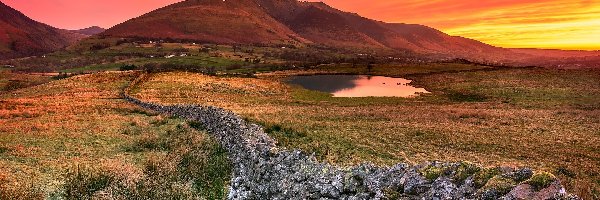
x=76 y=139
x=544 y=119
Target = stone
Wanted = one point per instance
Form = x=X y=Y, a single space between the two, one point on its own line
x=261 y=170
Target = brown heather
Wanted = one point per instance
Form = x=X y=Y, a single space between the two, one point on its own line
x=545 y=119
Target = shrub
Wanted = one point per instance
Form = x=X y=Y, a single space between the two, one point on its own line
x=191 y=165
x=128 y=67
x=541 y=180
x=465 y=97
x=14 y=85
x=500 y=184
x=433 y=172
x=83 y=183
x=276 y=129
x=148 y=143
x=482 y=176
x=196 y=125
x=233 y=67
x=464 y=170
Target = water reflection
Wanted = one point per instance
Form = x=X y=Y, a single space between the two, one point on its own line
x=358 y=85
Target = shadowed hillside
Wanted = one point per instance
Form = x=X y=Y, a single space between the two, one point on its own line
x=22 y=36
x=277 y=22
x=93 y=30
x=214 y=21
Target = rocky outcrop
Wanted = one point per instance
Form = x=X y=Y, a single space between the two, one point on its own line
x=261 y=170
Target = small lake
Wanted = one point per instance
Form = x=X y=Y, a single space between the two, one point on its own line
x=358 y=85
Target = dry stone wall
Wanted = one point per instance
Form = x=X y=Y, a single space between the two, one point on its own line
x=261 y=170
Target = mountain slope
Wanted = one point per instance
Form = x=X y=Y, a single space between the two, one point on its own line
x=327 y=28
x=277 y=21
x=22 y=36
x=298 y=22
x=90 y=30
x=214 y=21
x=418 y=38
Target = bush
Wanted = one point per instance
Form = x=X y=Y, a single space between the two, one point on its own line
x=14 y=85
x=464 y=170
x=193 y=166
x=83 y=183
x=484 y=175
x=541 y=180
x=500 y=184
x=128 y=67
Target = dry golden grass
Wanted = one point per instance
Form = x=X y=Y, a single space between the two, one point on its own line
x=53 y=128
x=514 y=124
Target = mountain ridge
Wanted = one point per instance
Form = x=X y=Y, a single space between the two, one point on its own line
x=92 y=30
x=296 y=22
x=22 y=36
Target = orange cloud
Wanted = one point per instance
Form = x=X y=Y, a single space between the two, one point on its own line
x=559 y=24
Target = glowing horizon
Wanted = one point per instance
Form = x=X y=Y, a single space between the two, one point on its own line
x=547 y=24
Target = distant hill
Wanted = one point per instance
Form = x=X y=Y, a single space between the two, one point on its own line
x=307 y=23
x=22 y=36
x=91 y=30
x=215 y=21
x=293 y=22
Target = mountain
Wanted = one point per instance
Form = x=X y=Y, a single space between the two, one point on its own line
x=305 y=23
x=214 y=21
x=90 y=30
x=289 y=21
x=22 y=36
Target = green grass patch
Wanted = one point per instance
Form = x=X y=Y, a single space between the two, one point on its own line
x=94 y=68
x=456 y=96
x=182 y=163
x=541 y=180
x=481 y=178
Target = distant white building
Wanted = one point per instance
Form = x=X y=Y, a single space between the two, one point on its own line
x=170 y=56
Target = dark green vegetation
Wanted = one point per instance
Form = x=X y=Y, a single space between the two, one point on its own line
x=9 y=80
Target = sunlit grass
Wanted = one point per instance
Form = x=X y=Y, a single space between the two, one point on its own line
x=546 y=119
x=81 y=123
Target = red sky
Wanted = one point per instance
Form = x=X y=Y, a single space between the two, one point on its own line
x=562 y=24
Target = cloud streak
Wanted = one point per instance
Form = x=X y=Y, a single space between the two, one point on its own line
x=559 y=24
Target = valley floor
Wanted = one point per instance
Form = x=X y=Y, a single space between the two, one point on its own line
x=545 y=119
x=78 y=135
x=76 y=138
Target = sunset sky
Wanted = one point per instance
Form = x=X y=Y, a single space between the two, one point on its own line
x=558 y=24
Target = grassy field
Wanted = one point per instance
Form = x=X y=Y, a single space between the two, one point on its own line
x=10 y=80
x=75 y=138
x=81 y=59
x=545 y=119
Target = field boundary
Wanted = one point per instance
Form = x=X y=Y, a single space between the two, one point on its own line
x=262 y=170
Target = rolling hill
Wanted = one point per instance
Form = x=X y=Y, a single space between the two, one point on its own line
x=214 y=21
x=93 y=30
x=273 y=22
x=284 y=21
x=22 y=36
